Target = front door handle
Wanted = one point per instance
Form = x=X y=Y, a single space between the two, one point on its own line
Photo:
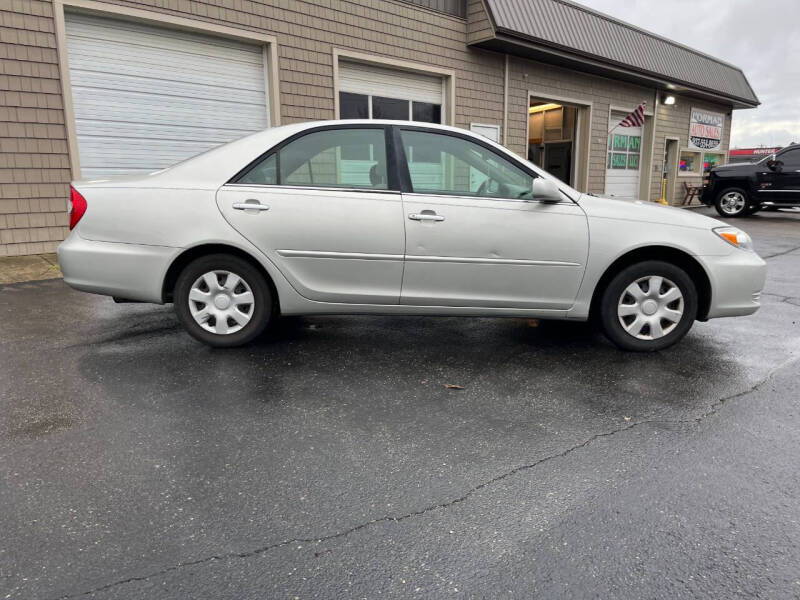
x=425 y=216
x=250 y=205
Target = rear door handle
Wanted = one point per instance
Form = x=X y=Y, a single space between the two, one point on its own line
x=425 y=217
x=250 y=205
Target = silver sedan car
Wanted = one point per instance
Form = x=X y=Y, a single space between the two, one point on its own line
x=388 y=217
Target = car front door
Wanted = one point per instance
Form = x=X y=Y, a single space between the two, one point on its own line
x=783 y=179
x=326 y=212
x=474 y=235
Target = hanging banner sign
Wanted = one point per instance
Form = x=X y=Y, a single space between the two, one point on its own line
x=705 y=130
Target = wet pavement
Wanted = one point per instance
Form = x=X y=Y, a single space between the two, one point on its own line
x=330 y=460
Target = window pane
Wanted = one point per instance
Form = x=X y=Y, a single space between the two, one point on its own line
x=710 y=161
x=688 y=162
x=353 y=106
x=453 y=165
x=619 y=160
x=352 y=158
x=620 y=142
x=633 y=162
x=389 y=108
x=263 y=173
x=790 y=160
x=426 y=112
x=634 y=143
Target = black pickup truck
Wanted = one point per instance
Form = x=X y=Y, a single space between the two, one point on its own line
x=743 y=189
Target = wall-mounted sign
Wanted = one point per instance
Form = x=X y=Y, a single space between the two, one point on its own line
x=705 y=130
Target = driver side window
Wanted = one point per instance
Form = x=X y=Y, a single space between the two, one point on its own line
x=446 y=164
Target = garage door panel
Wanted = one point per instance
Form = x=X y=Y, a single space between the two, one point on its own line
x=118 y=131
x=145 y=37
x=136 y=62
x=391 y=83
x=146 y=97
x=108 y=105
x=148 y=154
x=103 y=83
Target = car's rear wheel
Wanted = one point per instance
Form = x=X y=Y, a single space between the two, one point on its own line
x=648 y=306
x=732 y=202
x=223 y=300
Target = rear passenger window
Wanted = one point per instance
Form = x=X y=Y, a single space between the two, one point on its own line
x=264 y=173
x=339 y=158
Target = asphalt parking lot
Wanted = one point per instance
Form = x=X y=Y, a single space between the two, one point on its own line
x=330 y=460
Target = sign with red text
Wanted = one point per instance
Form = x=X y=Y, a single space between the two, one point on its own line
x=705 y=130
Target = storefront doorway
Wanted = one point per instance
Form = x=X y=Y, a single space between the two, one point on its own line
x=556 y=139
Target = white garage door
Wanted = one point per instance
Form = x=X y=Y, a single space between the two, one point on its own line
x=147 y=97
x=623 y=159
x=368 y=91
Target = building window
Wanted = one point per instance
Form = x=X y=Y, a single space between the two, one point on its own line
x=624 y=151
x=390 y=108
x=353 y=106
x=711 y=160
x=363 y=106
x=689 y=163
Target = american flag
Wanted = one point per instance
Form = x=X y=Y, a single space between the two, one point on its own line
x=635 y=119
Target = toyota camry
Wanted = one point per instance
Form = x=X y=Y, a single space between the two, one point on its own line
x=388 y=217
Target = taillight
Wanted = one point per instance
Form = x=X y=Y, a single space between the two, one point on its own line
x=77 y=207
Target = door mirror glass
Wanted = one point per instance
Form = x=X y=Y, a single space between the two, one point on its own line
x=545 y=190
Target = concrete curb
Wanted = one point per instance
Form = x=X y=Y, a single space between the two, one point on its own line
x=15 y=269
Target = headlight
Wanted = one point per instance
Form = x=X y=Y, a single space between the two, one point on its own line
x=735 y=237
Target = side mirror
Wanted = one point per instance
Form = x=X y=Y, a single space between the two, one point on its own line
x=545 y=190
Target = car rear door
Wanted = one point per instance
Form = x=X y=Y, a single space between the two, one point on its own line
x=326 y=212
x=475 y=237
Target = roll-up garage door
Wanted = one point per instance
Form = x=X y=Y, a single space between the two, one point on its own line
x=378 y=92
x=622 y=159
x=392 y=83
x=146 y=97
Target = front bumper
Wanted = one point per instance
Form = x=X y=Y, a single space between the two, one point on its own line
x=130 y=271
x=737 y=280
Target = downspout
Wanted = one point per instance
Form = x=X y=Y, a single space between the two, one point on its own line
x=505 y=103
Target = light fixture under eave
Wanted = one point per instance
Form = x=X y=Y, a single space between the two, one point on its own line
x=668 y=100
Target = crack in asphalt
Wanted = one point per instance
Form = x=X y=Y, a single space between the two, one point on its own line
x=768 y=256
x=710 y=411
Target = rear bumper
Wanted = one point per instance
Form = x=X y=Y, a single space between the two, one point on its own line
x=130 y=271
x=736 y=283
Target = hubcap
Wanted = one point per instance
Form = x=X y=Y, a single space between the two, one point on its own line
x=732 y=203
x=221 y=302
x=650 y=307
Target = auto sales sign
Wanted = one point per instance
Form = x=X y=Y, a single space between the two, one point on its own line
x=705 y=130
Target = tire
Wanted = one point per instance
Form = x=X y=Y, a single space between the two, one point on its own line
x=732 y=202
x=209 y=277
x=618 y=305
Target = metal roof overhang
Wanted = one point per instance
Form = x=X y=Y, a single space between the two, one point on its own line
x=512 y=42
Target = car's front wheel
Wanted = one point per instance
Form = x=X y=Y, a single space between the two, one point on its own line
x=648 y=306
x=732 y=202
x=223 y=300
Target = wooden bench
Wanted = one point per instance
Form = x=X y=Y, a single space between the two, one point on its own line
x=691 y=193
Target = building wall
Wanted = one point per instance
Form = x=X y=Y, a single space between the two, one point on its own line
x=34 y=159
x=34 y=175
x=673 y=122
x=548 y=82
